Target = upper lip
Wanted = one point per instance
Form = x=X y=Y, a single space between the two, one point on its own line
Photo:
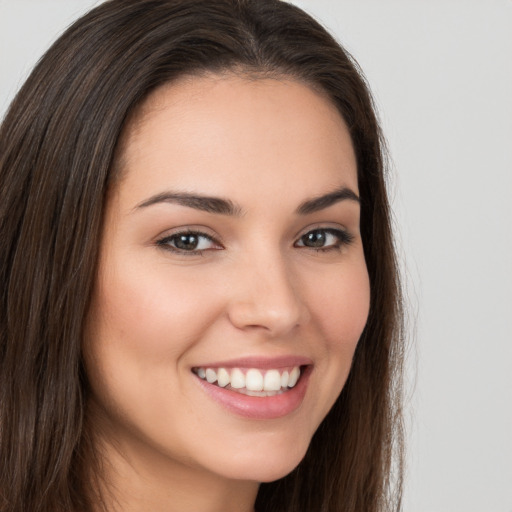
x=265 y=363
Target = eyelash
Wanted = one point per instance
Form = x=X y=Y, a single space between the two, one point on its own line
x=344 y=238
x=165 y=242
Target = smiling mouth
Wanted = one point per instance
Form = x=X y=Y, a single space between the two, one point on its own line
x=252 y=381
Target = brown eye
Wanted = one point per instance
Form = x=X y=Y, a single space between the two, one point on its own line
x=325 y=239
x=316 y=238
x=188 y=242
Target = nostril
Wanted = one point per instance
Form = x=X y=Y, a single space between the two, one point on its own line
x=259 y=315
x=265 y=297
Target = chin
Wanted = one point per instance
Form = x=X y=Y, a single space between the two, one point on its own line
x=262 y=465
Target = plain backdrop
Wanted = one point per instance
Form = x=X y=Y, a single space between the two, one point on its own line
x=441 y=73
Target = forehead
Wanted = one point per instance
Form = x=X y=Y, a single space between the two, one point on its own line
x=230 y=134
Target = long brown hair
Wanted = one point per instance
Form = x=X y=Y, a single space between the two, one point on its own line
x=57 y=154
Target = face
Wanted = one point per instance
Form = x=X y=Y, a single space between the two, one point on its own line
x=232 y=287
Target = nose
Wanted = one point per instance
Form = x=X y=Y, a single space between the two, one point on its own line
x=265 y=295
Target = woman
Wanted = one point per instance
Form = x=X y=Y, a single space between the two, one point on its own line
x=201 y=303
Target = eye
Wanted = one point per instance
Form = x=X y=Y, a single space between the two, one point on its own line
x=188 y=242
x=324 y=239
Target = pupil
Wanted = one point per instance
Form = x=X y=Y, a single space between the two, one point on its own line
x=314 y=239
x=186 y=242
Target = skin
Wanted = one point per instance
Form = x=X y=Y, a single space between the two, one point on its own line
x=267 y=145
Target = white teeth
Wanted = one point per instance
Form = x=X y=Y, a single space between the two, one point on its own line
x=222 y=377
x=294 y=377
x=211 y=375
x=255 y=393
x=237 y=379
x=253 y=382
x=272 y=381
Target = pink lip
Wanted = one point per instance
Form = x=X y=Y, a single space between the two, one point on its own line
x=254 y=407
x=263 y=363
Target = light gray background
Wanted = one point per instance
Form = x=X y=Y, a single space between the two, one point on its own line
x=441 y=72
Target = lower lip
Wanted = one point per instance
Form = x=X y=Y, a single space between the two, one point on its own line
x=261 y=408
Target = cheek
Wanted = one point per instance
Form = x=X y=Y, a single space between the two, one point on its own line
x=152 y=311
x=144 y=319
x=341 y=306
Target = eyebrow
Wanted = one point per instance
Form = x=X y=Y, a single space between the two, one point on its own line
x=321 y=202
x=222 y=206
x=204 y=203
